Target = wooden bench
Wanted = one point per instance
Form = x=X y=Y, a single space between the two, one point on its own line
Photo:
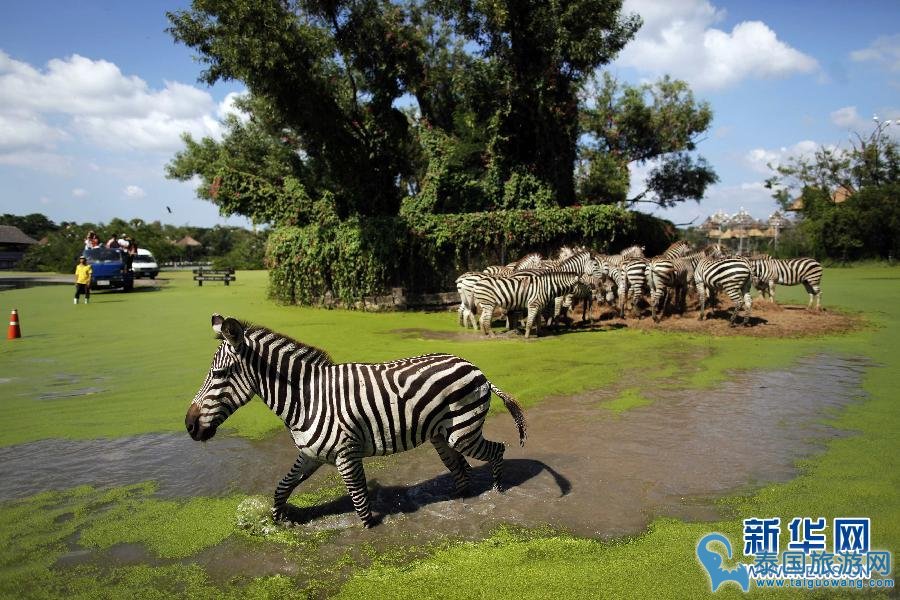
x=226 y=275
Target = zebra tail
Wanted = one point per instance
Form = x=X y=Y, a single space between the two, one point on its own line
x=515 y=410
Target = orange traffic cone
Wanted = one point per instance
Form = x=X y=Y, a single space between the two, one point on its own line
x=14 y=332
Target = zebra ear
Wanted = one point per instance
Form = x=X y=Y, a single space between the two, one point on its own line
x=233 y=332
x=217 y=320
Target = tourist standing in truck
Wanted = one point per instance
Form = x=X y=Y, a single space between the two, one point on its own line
x=83 y=273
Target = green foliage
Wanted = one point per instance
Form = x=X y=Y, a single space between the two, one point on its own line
x=452 y=180
x=636 y=124
x=498 y=81
x=247 y=253
x=34 y=225
x=347 y=259
x=59 y=254
x=866 y=224
x=331 y=72
x=425 y=252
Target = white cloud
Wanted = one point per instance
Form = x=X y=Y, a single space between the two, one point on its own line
x=26 y=130
x=47 y=162
x=99 y=105
x=134 y=191
x=227 y=107
x=79 y=193
x=884 y=51
x=678 y=38
x=847 y=117
x=759 y=159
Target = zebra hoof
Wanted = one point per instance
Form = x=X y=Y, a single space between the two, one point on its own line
x=280 y=514
x=370 y=522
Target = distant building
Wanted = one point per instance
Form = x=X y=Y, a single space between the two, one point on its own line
x=13 y=246
x=837 y=196
x=741 y=232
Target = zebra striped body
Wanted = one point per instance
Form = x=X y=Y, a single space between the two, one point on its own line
x=527 y=290
x=661 y=276
x=732 y=275
x=340 y=413
x=793 y=271
x=583 y=292
x=677 y=250
x=529 y=261
x=632 y=252
x=465 y=285
x=630 y=278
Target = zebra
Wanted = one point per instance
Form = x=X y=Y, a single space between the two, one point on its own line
x=730 y=274
x=684 y=271
x=529 y=261
x=630 y=278
x=465 y=285
x=661 y=275
x=340 y=413
x=792 y=271
x=632 y=252
x=584 y=291
x=527 y=290
x=677 y=249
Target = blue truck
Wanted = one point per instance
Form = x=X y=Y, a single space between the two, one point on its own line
x=111 y=269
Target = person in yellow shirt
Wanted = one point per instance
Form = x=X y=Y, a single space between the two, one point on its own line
x=83 y=272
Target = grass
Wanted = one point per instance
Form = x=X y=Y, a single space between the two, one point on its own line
x=130 y=363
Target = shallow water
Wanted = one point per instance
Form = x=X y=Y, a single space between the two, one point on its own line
x=585 y=469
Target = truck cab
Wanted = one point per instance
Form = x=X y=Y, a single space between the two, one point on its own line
x=110 y=269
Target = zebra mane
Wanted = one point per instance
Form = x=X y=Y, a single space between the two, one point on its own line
x=311 y=353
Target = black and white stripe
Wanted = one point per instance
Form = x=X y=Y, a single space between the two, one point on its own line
x=733 y=275
x=662 y=276
x=792 y=271
x=529 y=290
x=677 y=250
x=340 y=413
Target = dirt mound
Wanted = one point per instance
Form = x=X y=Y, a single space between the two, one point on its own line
x=767 y=320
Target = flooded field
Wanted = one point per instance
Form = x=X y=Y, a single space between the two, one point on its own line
x=585 y=468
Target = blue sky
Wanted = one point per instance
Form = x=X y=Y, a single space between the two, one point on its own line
x=94 y=95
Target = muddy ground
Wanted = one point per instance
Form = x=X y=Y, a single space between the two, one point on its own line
x=767 y=320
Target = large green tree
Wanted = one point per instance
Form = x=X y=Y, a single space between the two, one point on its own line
x=658 y=123
x=330 y=79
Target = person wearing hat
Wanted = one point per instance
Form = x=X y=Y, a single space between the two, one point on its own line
x=83 y=273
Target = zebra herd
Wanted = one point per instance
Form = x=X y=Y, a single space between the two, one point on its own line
x=548 y=287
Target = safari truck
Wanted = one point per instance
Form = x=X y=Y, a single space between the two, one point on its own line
x=110 y=269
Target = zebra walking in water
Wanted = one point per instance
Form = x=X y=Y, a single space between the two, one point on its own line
x=793 y=271
x=729 y=274
x=340 y=413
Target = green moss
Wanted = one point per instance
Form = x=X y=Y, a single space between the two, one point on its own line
x=628 y=399
x=168 y=528
x=148 y=369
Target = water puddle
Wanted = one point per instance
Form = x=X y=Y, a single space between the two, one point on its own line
x=585 y=469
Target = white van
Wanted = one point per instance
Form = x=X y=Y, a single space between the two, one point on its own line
x=144 y=264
